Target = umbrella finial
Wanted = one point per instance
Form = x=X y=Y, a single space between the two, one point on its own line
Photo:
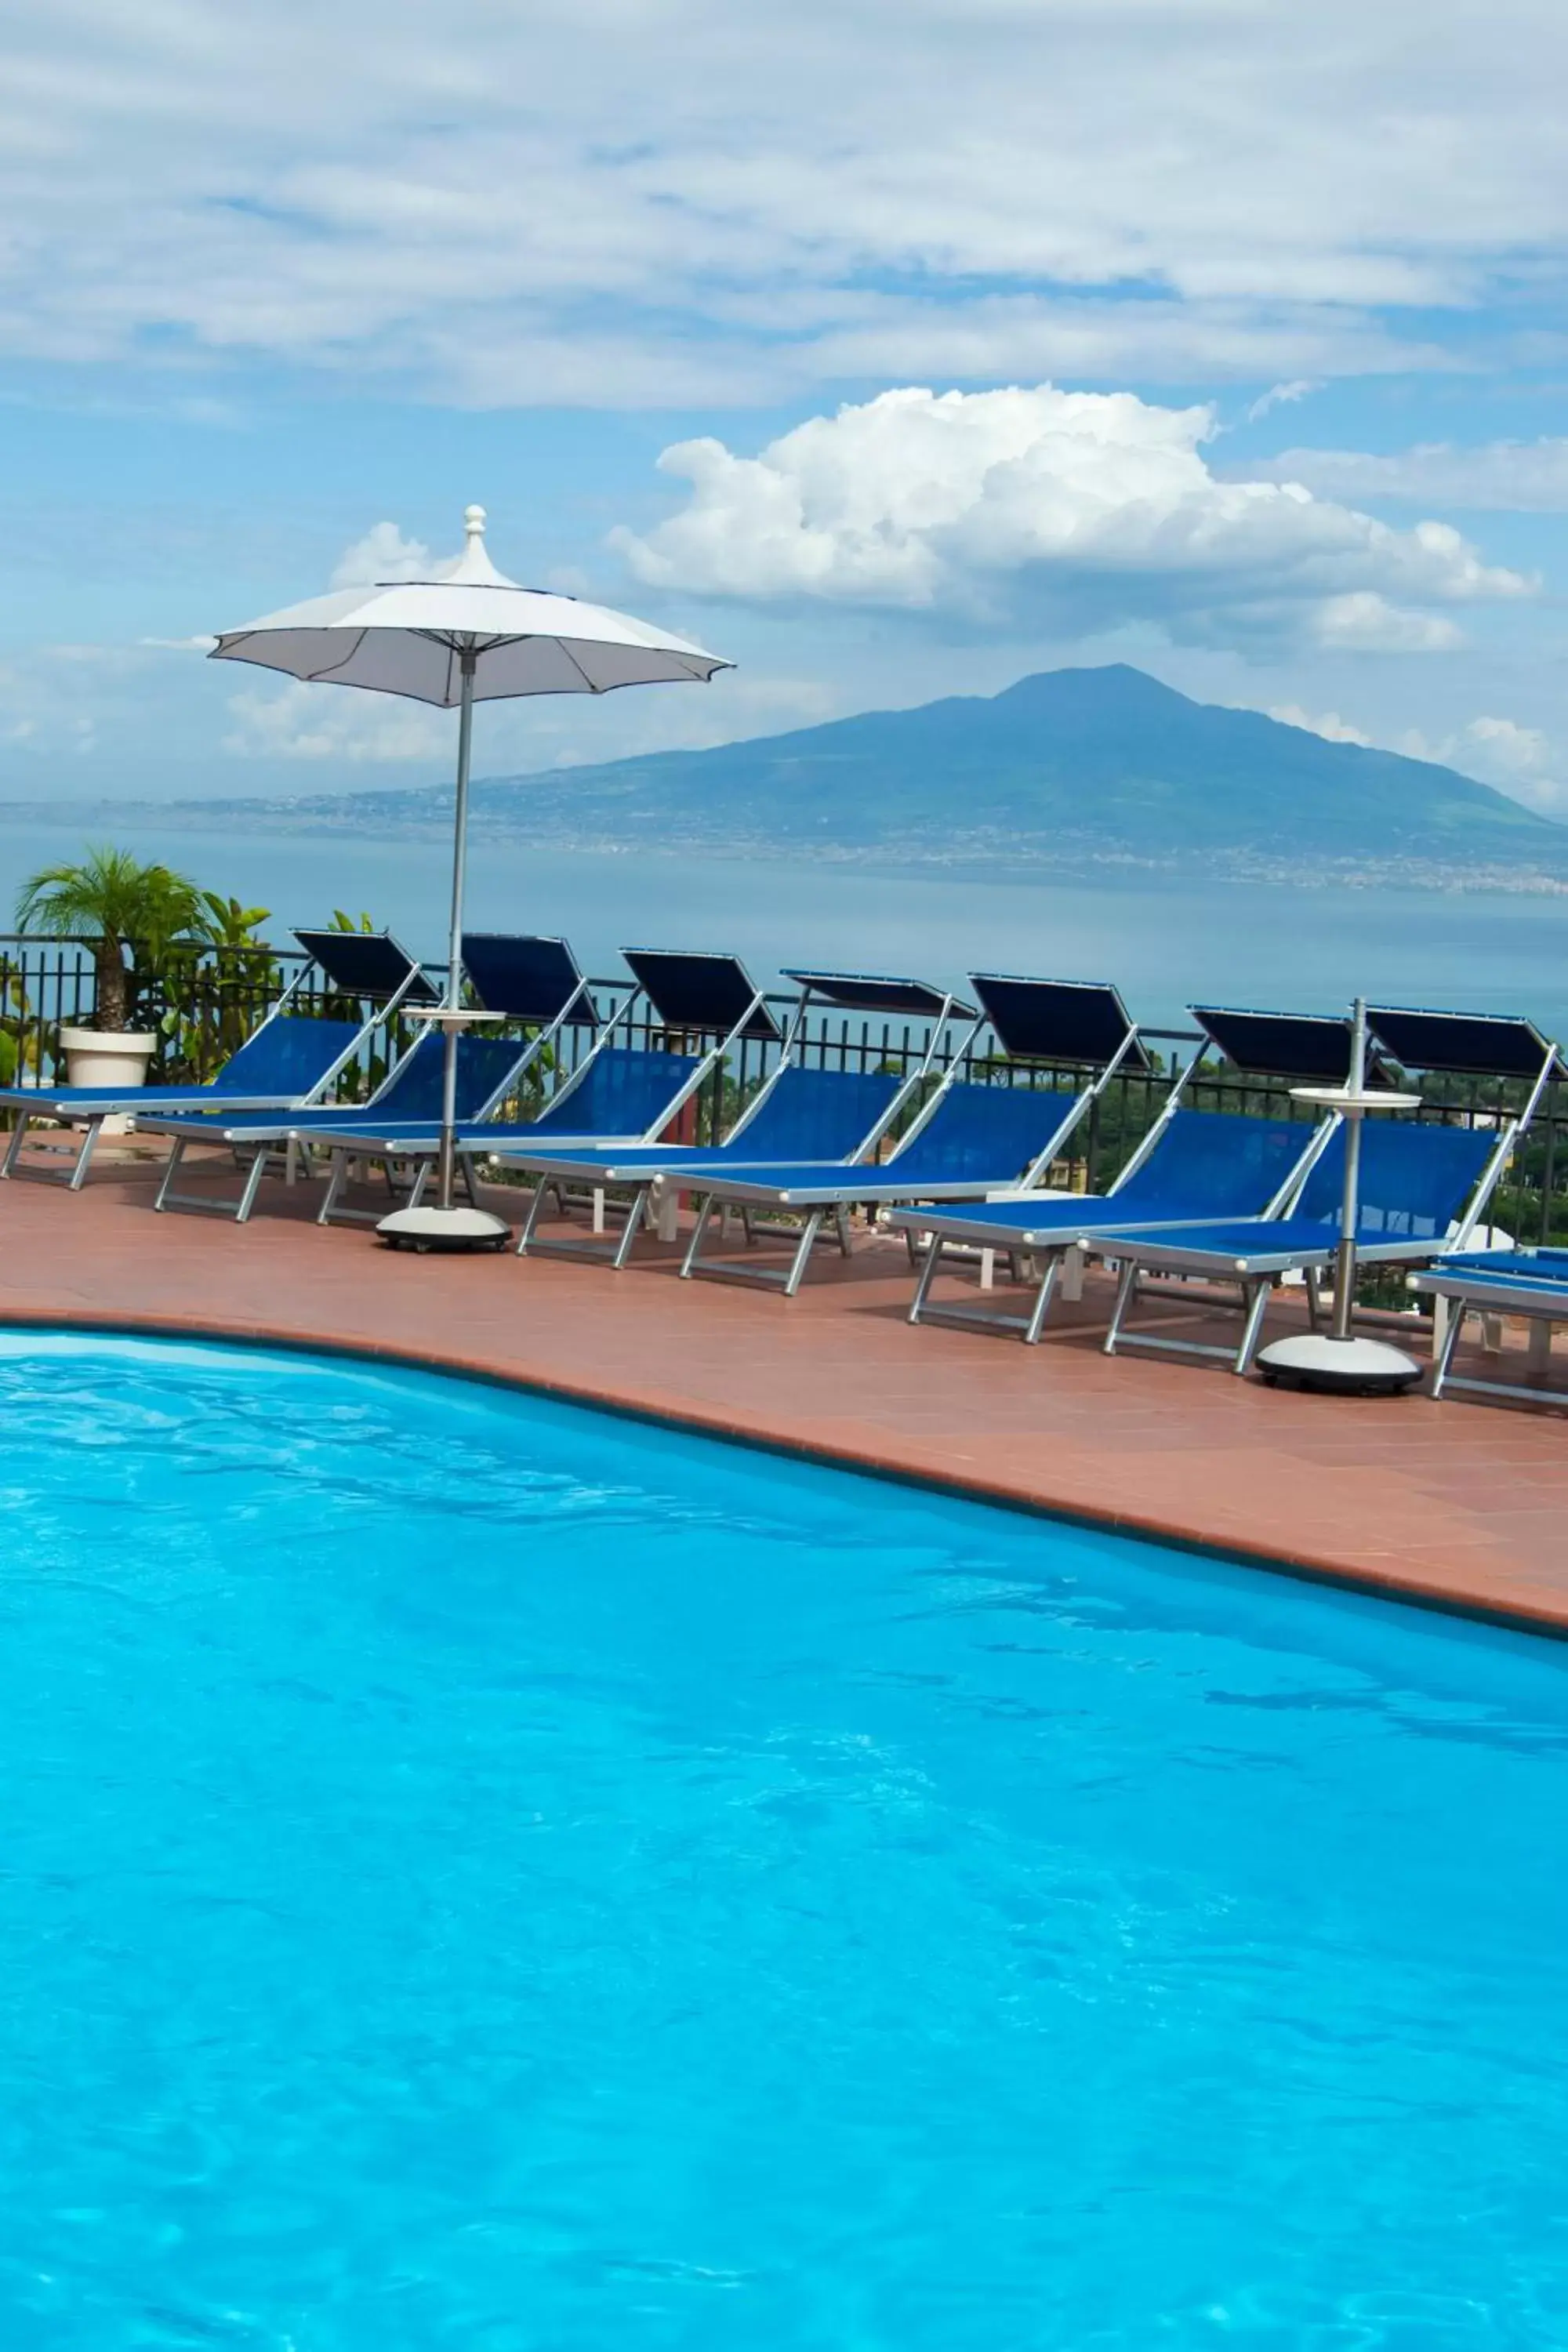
x=474 y=523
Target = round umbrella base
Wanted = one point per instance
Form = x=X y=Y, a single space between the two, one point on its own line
x=1354 y=1367
x=444 y=1229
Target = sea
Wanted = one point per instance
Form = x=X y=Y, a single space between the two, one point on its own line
x=1166 y=941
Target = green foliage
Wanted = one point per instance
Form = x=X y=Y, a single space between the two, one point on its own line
x=213 y=987
x=118 y=906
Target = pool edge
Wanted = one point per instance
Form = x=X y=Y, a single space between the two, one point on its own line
x=1303 y=1566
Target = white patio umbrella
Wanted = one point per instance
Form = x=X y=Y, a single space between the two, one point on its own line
x=466 y=635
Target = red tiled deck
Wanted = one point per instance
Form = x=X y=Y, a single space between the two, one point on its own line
x=1458 y=1503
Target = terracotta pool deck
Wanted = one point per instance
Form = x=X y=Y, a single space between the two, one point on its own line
x=1458 y=1504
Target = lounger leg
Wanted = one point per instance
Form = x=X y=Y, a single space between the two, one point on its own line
x=1072 y=1274
x=1126 y=1292
x=694 y=1246
x=746 y=1227
x=1042 y=1307
x=634 y=1216
x=987 y=1269
x=1258 y=1294
x=812 y=1227
x=535 y=1208
x=668 y=1211
x=841 y=1227
x=930 y=1266
x=911 y=1247
x=1443 y=1363
x=84 y=1156
x=13 y=1148
x=1439 y=1326
x=1314 y=1297
x=1538 y=1352
x=252 y=1186
x=336 y=1180
x=171 y=1171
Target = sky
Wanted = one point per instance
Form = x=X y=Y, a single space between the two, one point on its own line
x=890 y=352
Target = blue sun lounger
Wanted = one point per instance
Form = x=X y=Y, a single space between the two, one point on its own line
x=1424 y=1187
x=288 y=1059
x=970 y=1139
x=821 y=1116
x=520 y=978
x=1191 y=1165
x=619 y=1093
x=1529 y=1284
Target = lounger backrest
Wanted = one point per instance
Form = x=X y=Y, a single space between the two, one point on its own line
x=1214 y=1163
x=288 y=1056
x=1415 y=1179
x=816 y=1114
x=622 y=1092
x=413 y=1089
x=370 y=965
x=985 y=1134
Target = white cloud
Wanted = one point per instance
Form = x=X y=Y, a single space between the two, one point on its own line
x=1280 y=396
x=1517 y=476
x=1518 y=760
x=381 y=556
x=1326 y=723
x=1092 y=509
x=1362 y=622
x=300 y=721
x=618 y=203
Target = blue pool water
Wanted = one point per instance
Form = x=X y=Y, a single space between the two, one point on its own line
x=479 y=1876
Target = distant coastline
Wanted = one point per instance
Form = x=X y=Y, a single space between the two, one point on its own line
x=965 y=856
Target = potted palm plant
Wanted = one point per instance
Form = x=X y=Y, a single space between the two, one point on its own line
x=119 y=906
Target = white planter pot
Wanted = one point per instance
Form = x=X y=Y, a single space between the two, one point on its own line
x=109 y=1057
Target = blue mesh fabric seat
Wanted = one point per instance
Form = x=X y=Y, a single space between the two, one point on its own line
x=286 y=1058
x=409 y=1097
x=814 y=1114
x=1204 y=1163
x=622 y=1092
x=987 y=1135
x=1232 y=1164
x=1414 y=1179
x=414 y=1088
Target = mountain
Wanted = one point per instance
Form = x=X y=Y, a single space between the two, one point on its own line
x=1066 y=768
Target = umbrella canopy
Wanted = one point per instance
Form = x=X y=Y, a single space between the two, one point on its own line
x=409 y=636
x=466 y=635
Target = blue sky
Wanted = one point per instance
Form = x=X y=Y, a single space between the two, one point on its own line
x=893 y=354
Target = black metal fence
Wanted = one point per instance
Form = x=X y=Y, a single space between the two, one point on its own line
x=200 y=1004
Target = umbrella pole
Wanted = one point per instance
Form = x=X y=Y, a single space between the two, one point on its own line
x=446 y=1174
x=1344 y=1257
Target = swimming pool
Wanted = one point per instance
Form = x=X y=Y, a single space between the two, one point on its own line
x=480 y=1875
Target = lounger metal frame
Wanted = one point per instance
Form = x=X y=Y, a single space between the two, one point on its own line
x=1255 y=1274
x=882 y=1185
x=555 y=1171
x=643 y=1184
x=390 y=1150
x=417 y=1143
x=1020 y=1247
x=1543 y=1304
x=200 y=1098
